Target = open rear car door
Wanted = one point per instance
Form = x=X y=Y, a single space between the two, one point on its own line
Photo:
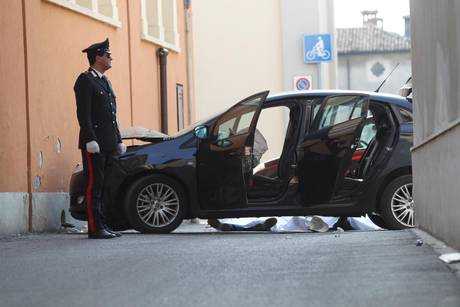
x=326 y=151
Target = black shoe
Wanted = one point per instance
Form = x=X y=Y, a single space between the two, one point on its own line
x=101 y=234
x=216 y=224
x=116 y=233
x=267 y=225
x=342 y=223
x=108 y=229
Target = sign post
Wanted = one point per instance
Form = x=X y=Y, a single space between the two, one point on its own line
x=317 y=48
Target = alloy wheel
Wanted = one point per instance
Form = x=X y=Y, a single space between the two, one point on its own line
x=402 y=205
x=157 y=205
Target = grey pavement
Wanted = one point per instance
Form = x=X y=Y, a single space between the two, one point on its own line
x=200 y=267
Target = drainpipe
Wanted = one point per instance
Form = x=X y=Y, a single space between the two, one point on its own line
x=190 y=71
x=163 y=54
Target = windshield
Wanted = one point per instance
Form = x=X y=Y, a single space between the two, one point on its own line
x=198 y=123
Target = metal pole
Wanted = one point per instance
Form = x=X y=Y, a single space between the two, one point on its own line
x=320 y=76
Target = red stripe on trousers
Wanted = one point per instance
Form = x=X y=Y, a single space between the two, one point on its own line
x=89 y=193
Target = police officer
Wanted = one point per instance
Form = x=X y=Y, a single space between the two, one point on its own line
x=99 y=134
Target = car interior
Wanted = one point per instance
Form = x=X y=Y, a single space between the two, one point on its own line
x=273 y=170
x=383 y=128
x=274 y=176
x=377 y=134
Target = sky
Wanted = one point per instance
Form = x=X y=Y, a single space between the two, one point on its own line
x=348 y=13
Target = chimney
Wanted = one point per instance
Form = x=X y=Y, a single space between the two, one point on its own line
x=407 y=26
x=370 y=19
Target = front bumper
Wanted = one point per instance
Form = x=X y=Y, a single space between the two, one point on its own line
x=77 y=206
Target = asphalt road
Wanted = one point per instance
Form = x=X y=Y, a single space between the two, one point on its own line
x=380 y=268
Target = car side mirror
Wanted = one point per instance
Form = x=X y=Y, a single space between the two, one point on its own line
x=201 y=132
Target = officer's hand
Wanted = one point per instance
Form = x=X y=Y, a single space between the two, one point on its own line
x=93 y=147
x=121 y=148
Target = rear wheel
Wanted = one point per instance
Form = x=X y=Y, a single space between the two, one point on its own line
x=155 y=204
x=397 y=204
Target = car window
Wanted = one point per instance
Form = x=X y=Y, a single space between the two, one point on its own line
x=244 y=122
x=368 y=133
x=340 y=109
x=316 y=109
x=237 y=121
x=226 y=129
x=235 y=126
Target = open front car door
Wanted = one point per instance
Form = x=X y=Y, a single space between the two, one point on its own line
x=326 y=151
x=225 y=158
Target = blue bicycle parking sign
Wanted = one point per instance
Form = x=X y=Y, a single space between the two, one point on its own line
x=317 y=48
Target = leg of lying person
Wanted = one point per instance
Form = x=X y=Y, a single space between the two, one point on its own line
x=255 y=225
x=260 y=225
x=217 y=224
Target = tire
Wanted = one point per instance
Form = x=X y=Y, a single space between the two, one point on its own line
x=155 y=204
x=377 y=220
x=397 y=204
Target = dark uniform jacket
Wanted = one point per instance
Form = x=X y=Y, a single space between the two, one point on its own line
x=96 y=112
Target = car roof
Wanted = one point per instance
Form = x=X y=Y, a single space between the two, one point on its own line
x=382 y=97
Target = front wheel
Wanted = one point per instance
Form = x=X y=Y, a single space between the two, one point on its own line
x=378 y=220
x=155 y=204
x=397 y=204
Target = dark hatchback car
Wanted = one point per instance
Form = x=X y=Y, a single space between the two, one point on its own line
x=344 y=154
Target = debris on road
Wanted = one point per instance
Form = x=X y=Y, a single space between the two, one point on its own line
x=419 y=242
x=450 y=257
x=318 y=225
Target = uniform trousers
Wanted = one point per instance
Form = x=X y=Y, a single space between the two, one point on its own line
x=94 y=167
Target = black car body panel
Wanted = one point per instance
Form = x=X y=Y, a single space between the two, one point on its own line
x=183 y=157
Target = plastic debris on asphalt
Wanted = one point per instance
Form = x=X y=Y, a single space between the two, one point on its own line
x=318 y=225
x=419 y=243
x=450 y=257
x=69 y=228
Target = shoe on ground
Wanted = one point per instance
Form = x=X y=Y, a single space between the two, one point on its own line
x=101 y=234
x=216 y=224
x=266 y=225
x=343 y=223
x=116 y=233
x=108 y=229
x=318 y=225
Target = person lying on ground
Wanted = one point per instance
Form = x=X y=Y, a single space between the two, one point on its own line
x=294 y=223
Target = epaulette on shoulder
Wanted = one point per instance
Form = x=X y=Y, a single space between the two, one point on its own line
x=86 y=74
